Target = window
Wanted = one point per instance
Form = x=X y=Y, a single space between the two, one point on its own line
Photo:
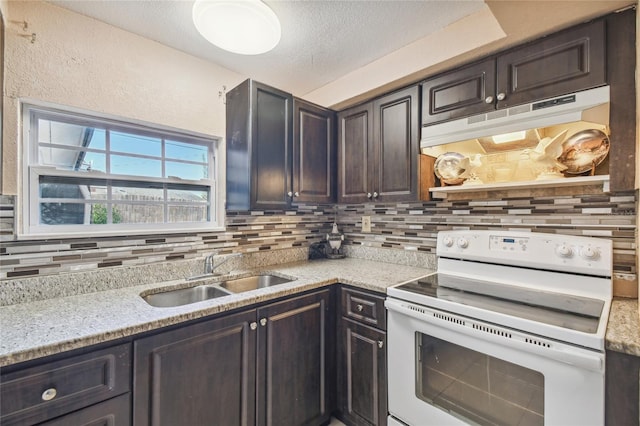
x=90 y=175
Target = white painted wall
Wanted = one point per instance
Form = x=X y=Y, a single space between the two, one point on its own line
x=83 y=63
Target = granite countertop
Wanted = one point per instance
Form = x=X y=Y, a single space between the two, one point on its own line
x=623 y=330
x=36 y=329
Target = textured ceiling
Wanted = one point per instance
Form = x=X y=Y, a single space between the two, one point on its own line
x=321 y=40
x=327 y=43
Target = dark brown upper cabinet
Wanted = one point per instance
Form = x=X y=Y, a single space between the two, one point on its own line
x=378 y=149
x=561 y=63
x=314 y=153
x=259 y=147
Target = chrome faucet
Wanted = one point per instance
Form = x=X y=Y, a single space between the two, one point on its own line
x=210 y=266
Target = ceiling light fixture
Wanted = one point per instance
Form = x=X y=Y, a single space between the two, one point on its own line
x=247 y=27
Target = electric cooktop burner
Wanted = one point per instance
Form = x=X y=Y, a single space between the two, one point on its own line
x=558 y=309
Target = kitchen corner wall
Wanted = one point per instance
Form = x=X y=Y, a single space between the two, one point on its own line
x=583 y=211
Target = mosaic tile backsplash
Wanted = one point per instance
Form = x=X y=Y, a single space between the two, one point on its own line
x=411 y=227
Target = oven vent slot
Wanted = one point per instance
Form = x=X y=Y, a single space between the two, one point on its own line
x=537 y=342
x=492 y=331
x=448 y=318
x=415 y=308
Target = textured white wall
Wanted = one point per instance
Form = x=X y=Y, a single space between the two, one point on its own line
x=83 y=63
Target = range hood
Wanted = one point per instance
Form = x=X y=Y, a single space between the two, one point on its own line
x=590 y=105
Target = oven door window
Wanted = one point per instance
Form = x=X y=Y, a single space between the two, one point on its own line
x=477 y=387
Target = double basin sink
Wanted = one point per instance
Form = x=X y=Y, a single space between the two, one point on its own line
x=185 y=296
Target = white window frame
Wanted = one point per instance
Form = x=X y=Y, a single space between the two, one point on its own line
x=29 y=226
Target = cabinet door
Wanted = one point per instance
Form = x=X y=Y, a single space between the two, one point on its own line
x=271 y=133
x=621 y=402
x=362 y=374
x=395 y=149
x=459 y=93
x=197 y=375
x=354 y=133
x=314 y=153
x=295 y=361
x=562 y=63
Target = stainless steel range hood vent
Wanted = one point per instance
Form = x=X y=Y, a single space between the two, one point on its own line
x=590 y=105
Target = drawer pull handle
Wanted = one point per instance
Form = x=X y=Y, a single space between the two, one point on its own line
x=380 y=344
x=359 y=308
x=263 y=322
x=253 y=325
x=49 y=394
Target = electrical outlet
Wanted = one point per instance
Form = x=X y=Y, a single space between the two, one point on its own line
x=366 y=223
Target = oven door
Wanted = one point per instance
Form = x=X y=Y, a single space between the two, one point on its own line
x=446 y=369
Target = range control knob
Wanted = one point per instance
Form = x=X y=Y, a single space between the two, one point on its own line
x=448 y=241
x=589 y=253
x=462 y=242
x=564 y=251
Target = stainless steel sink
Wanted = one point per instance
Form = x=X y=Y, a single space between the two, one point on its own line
x=239 y=285
x=184 y=296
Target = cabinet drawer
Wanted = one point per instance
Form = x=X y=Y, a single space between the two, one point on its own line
x=365 y=307
x=49 y=390
x=113 y=412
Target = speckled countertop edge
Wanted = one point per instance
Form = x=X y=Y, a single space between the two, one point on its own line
x=623 y=330
x=47 y=327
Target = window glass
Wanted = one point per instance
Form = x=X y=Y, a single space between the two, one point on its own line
x=186 y=151
x=135 y=144
x=186 y=170
x=135 y=166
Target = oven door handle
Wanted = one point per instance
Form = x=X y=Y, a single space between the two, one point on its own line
x=561 y=353
x=593 y=362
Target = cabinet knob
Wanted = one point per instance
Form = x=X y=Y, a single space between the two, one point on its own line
x=488 y=99
x=380 y=344
x=369 y=195
x=501 y=96
x=263 y=322
x=296 y=194
x=290 y=194
x=253 y=325
x=49 y=394
x=375 y=194
x=359 y=307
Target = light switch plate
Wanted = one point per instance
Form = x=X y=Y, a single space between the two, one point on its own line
x=366 y=223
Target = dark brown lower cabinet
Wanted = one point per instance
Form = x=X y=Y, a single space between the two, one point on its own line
x=295 y=361
x=201 y=374
x=265 y=366
x=362 y=360
x=622 y=406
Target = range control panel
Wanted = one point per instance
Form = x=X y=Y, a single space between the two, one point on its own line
x=567 y=253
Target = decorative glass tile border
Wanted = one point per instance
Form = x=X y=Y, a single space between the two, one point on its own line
x=403 y=226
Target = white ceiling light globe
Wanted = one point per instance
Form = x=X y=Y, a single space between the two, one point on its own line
x=247 y=27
